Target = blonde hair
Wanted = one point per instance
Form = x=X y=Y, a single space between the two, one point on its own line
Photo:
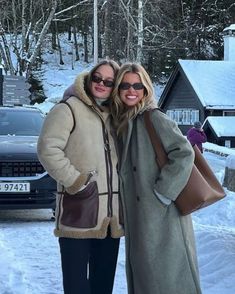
x=120 y=111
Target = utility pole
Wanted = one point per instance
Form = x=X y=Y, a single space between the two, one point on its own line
x=139 y=54
x=95 y=33
x=1 y=87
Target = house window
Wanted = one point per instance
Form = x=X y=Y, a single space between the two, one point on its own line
x=183 y=116
x=227 y=143
x=229 y=113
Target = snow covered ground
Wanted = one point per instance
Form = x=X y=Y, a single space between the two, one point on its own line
x=30 y=259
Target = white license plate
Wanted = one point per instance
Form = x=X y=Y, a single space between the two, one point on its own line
x=8 y=187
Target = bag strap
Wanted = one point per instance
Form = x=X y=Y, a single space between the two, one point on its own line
x=160 y=153
x=70 y=107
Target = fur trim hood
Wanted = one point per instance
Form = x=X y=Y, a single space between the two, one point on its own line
x=77 y=89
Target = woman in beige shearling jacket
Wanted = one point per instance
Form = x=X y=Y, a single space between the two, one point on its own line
x=77 y=149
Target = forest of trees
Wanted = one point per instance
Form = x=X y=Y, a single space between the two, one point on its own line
x=153 y=32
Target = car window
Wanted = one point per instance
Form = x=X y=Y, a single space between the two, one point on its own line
x=20 y=122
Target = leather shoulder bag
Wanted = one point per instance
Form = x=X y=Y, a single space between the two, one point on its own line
x=202 y=188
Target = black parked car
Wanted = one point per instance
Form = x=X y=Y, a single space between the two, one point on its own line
x=23 y=181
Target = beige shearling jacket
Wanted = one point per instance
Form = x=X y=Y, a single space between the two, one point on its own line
x=73 y=142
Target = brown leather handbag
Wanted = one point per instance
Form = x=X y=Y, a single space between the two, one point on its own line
x=202 y=188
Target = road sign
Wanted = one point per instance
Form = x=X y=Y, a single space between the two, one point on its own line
x=16 y=83
x=15 y=90
x=14 y=78
x=12 y=100
x=17 y=93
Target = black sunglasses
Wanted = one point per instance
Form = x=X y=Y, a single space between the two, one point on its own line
x=98 y=80
x=135 y=86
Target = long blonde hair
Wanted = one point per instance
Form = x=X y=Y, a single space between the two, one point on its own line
x=122 y=113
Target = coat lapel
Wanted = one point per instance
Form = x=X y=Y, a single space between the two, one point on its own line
x=126 y=140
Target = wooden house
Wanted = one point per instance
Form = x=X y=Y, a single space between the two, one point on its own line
x=198 y=89
x=220 y=130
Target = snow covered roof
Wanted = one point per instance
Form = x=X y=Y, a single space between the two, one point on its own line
x=223 y=126
x=213 y=82
x=231 y=27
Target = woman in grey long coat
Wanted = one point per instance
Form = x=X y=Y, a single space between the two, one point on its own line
x=160 y=244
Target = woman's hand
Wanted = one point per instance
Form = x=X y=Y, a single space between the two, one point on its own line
x=81 y=182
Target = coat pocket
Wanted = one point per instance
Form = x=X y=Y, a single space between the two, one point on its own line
x=81 y=210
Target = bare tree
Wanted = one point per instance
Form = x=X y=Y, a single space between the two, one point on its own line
x=44 y=30
x=5 y=52
x=153 y=32
x=26 y=37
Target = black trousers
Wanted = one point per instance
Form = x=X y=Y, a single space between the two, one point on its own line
x=88 y=265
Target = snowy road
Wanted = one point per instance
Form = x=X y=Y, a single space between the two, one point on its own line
x=29 y=255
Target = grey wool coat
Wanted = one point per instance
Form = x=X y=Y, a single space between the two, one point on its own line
x=160 y=244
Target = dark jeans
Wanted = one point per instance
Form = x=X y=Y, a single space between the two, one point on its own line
x=88 y=265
